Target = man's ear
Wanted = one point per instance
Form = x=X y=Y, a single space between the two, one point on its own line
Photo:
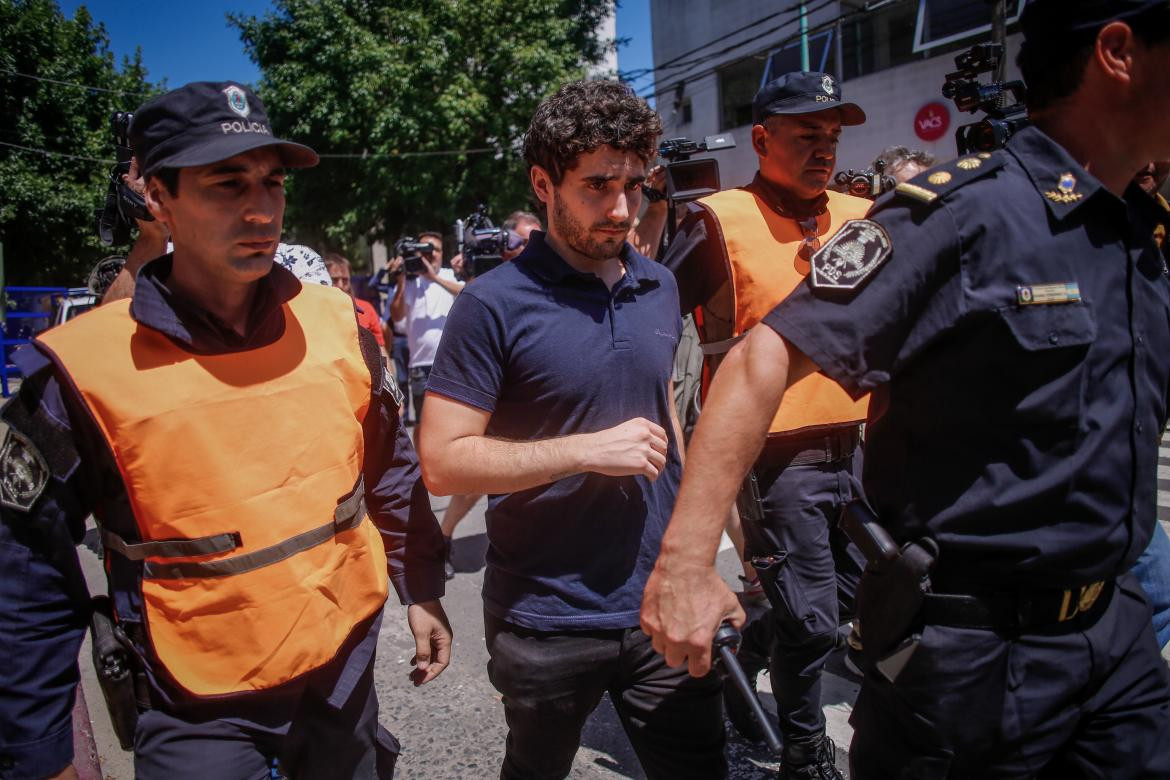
x=157 y=198
x=760 y=140
x=542 y=184
x=1113 y=53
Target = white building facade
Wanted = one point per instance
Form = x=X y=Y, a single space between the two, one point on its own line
x=892 y=58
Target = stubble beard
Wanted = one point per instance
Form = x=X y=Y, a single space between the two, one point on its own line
x=577 y=236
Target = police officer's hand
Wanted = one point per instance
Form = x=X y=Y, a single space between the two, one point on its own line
x=635 y=447
x=432 y=640
x=682 y=606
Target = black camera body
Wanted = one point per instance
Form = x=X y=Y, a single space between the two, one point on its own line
x=688 y=179
x=969 y=95
x=123 y=205
x=481 y=243
x=868 y=183
x=412 y=253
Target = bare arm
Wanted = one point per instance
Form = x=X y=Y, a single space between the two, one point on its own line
x=457 y=457
x=431 y=271
x=646 y=233
x=676 y=426
x=685 y=599
x=398 y=302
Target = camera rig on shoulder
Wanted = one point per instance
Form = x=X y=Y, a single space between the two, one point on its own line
x=123 y=205
x=964 y=88
x=688 y=179
x=481 y=243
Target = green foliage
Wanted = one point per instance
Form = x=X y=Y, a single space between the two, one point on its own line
x=47 y=201
x=385 y=77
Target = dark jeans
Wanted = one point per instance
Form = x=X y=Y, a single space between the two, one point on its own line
x=1063 y=702
x=817 y=580
x=310 y=738
x=418 y=388
x=551 y=681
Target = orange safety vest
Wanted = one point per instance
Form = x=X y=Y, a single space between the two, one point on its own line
x=243 y=471
x=764 y=266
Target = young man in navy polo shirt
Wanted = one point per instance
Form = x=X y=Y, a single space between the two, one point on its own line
x=551 y=390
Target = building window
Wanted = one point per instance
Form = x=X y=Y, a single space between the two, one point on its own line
x=787 y=58
x=738 y=84
x=941 y=22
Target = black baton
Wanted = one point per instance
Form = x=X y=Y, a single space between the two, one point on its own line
x=726 y=643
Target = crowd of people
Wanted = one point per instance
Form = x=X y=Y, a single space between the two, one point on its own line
x=929 y=424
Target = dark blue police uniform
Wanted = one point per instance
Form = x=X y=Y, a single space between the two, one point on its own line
x=550 y=351
x=321 y=725
x=1011 y=317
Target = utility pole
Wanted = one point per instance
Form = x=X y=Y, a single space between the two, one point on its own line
x=999 y=35
x=804 y=63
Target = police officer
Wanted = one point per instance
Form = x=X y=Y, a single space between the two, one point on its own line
x=737 y=254
x=1011 y=316
x=228 y=428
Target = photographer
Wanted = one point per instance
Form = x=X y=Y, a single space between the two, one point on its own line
x=151 y=243
x=903 y=163
x=421 y=302
x=521 y=224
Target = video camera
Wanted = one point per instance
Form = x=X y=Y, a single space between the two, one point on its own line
x=481 y=243
x=412 y=252
x=123 y=205
x=968 y=94
x=688 y=179
x=869 y=183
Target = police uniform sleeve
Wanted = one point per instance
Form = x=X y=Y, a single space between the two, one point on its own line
x=396 y=498
x=44 y=604
x=879 y=291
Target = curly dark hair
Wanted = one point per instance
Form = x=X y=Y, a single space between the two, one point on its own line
x=584 y=115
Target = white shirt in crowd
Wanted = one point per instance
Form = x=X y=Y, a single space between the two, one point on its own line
x=427 y=307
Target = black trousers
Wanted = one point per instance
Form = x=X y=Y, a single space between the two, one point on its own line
x=1070 y=701
x=818 y=581
x=310 y=739
x=551 y=681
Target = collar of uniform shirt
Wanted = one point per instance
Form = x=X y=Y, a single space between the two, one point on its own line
x=156 y=306
x=544 y=260
x=784 y=204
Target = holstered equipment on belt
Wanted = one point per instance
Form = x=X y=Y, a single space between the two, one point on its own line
x=894 y=584
x=761 y=548
x=114 y=664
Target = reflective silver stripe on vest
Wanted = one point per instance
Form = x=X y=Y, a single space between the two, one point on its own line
x=350 y=512
x=171 y=548
x=719 y=347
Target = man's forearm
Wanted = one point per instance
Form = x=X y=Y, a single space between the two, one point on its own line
x=480 y=464
x=452 y=287
x=743 y=400
x=646 y=234
x=151 y=243
x=398 y=302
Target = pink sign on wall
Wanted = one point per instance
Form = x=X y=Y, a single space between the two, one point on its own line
x=931 y=121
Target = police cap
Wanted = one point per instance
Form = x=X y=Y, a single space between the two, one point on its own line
x=803 y=93
x=1054 y=23
x=205 y=122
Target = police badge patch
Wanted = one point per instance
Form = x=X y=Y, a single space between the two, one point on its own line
x=237 y=101
x=851 y=256
x=23 y=472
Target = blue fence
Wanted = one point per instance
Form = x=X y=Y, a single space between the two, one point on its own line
x=28 y=311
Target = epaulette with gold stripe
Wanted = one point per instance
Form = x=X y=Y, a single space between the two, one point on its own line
x=929 y=186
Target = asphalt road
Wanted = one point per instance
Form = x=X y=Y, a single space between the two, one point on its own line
x=454 y=727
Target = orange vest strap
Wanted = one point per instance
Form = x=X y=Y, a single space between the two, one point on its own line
x=171 y=548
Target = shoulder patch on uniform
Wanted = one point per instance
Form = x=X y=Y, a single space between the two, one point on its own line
x=851 y=256
x=23 y=472
x=929 y=186
x=390 y=385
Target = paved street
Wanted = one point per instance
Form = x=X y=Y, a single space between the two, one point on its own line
x=454 y=727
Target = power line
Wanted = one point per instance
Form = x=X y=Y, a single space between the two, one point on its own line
x=70 y=83
x=641 y=72
x=48 y=153
x=869 y=7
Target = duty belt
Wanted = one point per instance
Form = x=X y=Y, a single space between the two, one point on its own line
x=825 y=446
x=1019 y=610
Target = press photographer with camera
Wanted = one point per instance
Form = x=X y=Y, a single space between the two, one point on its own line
x=736 y=255
x=1008 y=311
x=150 y=243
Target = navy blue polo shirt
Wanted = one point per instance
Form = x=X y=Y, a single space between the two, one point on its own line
x=1017 y=343
x=550 y=351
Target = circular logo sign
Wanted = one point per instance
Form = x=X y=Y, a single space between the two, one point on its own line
x=932 y=121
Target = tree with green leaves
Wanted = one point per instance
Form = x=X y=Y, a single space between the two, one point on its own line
x=58 y=86
x=392 y=86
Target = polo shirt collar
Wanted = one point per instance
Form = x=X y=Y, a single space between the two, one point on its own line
x=543 y=260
